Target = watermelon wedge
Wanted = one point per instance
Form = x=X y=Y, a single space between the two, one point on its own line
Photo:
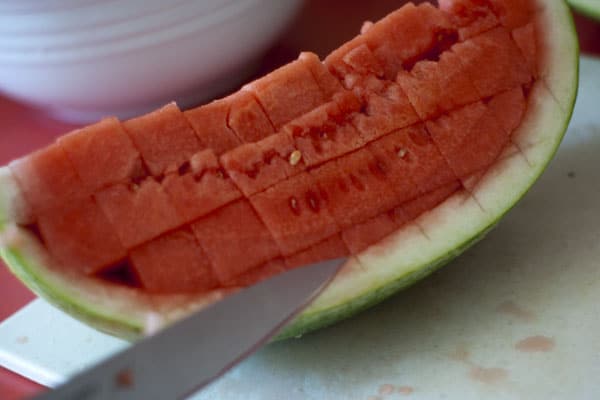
x=399 y=151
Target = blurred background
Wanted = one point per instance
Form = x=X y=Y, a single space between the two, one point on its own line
x=314 y=25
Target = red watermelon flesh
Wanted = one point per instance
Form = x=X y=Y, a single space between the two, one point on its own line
x=329 y=249
x=258 y=274
x=438 y=87
x=295 y=212
x=173 y=263
x=288 y=93
x=138 y=212
x=164 y=138
x=314 y=161
x=247 y=118
x=48 y=179
x=469 y=138
x=255 y=167
x=414 y=208
x=210 y=124
x=354 y=187
x=514 y=13
x=102 y=154
x=359 y=61
x=473 y=17
x=509 y=108
x=362 y=235
x=200 y=186
x=326 y=132
x=328 y=83
x=399 y=39
x=418 y=154
x=391 y=152
x=387 y=108
x=227 y=235
x=525 y=39
x=97 y=245
x=493 y=62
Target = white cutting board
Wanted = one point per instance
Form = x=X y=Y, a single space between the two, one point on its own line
x=517 y=317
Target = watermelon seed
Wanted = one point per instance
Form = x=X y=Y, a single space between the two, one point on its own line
x=402 y=153
x=313 y=202
x=294 y=205
x=295 y=157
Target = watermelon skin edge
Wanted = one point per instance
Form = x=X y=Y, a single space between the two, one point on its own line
x=587 y=7
x=128 y=315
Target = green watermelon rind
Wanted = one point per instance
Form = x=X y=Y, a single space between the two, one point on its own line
x=587 y=7
x=123 y=313
x=21 y=266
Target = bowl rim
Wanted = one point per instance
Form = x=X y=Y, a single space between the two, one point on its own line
x=176 y=31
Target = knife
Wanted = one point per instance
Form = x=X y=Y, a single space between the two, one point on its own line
x=182 y=359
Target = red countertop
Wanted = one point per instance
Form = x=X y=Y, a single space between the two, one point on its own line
x=25 y=129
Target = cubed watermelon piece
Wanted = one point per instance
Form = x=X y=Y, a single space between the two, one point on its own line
x=493 y=62
x=514 y=13
x=80 y=237
x=247 y=118
x=387 y=109
x=407 y=35
x=424 y=163
x=288 y=93
x=509 y=109
x=210 y=124
x=200 y=187
x=470 y=138
x=227 y=235
x=355 y=188
x=164 y=138
x=335 y=63
x=256 y=275
x=173 y=263
x=255 y=167
x=414 y=208
x=48 y=179
x=329 y=249
x=139 y=212
x=473 y=17
x=526 y=40
x=325 y=133
x=364 y=234
x=393 y=157
x=295 y=212
x=360 y=61
x=328 y=83
x=436 y=87
x=102 y=154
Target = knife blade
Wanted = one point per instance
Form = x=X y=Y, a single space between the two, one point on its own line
x=185 y=357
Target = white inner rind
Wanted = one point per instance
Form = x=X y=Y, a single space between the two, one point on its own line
x=410 y=252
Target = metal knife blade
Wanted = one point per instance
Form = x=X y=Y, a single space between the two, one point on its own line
x=193 y=352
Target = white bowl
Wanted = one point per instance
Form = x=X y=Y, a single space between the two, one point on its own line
x=84 y=59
